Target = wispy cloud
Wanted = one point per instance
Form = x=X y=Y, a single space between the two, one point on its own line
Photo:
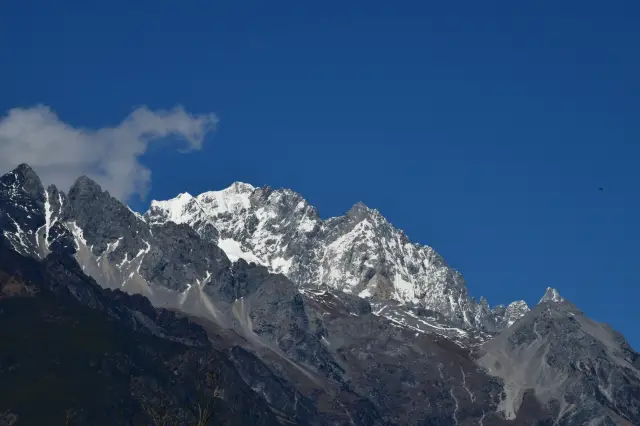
x=59 y=152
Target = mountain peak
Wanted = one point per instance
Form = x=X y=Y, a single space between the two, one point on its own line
x=360 y=206
x=27 y=175
x=177 y=210
x=360 y=210
x=519 y=304
x=24 y=169
x=85 y=184
x=184 y=196
x=24 y=177
x=551 y=295
x=240 y=187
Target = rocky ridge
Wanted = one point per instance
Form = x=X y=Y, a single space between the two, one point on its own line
x=359 y=253
x=313 y=353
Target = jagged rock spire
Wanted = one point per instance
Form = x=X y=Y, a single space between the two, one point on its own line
x=551 y=295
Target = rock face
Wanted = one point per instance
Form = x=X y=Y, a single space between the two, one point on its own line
x=302 y=320
x=359 y=253
x=583 y=369
x=102 y=357
x=22 y=198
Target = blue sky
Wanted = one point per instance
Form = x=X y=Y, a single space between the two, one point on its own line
x=483 y=129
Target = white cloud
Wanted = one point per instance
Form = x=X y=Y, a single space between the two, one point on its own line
x=60 y=153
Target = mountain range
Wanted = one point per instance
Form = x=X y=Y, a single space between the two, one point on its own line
x=112 y=317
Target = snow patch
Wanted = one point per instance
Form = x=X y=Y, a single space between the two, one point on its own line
x=47 y=217
x=281 y=265
x=135 y=213
x=404 y=288
x=307 y=225
x=234 y=251
x=365 y=293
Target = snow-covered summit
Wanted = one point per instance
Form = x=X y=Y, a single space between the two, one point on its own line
x=230 y=201
x=359 y=253
x=178 y=210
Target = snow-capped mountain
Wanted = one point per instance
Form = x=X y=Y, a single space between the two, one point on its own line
x=338 y=321
x=359 y=253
